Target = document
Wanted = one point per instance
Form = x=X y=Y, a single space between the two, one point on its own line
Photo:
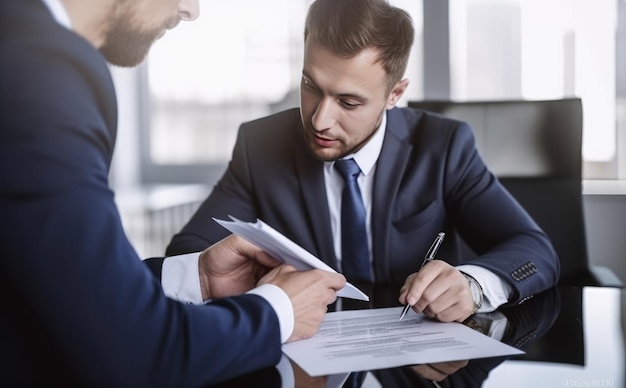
x=371 y=339
x=285 y=250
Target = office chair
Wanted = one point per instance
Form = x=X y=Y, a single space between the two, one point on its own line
x=534 y=148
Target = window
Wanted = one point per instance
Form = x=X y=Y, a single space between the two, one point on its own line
x=239 y=61
x=543 y=49
x=242 y=60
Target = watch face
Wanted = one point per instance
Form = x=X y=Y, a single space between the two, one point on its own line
x=476 y=297
x=475 y=293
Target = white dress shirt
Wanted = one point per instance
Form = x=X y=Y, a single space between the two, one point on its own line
x=495 y=291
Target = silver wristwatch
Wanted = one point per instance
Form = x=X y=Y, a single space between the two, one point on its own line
x=477 y=292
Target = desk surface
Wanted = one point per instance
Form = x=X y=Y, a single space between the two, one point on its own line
x=573 y=337
x=583 y=348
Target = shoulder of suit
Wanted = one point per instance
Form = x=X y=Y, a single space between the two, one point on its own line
x=35 y=39
x=424 y=123
x=283 y=124
x=272 y=135
x=416 y=114
x=282 y=117
x=68 y=78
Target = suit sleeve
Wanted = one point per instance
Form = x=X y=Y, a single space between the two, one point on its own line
x=233 y=195
x=98 y=313
x=155 y=265
x=508 y=242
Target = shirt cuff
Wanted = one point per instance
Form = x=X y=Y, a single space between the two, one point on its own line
x=180 y=278
x=281 y=304
x=495 y=291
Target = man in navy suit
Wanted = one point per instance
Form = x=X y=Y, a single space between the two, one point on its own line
x=420 y=174
x=79 y=307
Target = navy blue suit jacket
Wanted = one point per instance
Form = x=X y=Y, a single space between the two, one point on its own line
x=78 y=305
x=429 y=178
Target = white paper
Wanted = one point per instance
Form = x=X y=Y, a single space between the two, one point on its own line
x=371 y=339
x=285 y=250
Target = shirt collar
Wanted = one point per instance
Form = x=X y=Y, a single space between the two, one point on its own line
x=367 y=156
x=59 y=12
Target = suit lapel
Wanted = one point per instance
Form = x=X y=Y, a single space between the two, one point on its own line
x=310 y=175
x=390 y=168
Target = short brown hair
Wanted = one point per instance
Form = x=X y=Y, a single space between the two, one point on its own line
x=347 y=27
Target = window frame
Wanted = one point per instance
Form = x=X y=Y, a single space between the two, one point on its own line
x=436 y=85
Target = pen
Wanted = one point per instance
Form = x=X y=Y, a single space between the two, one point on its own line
x=430 y=255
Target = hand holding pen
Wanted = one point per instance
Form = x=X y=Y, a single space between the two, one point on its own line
x=430 y=256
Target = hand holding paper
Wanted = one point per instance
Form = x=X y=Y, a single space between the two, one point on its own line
x=285 y=250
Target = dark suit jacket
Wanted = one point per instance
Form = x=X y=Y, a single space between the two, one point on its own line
x=429 y=178
x=78 y=305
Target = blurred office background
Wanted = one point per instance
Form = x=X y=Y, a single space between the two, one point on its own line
x=180 y=111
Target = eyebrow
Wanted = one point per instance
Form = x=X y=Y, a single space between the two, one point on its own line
x=358 y=97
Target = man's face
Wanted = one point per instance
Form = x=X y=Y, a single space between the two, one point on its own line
x=342 y=100
x=136 y=24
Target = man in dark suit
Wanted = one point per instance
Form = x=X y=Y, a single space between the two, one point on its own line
x=419 y=174
x=79 y=307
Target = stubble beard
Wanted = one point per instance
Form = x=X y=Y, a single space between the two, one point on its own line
x=324 y=155
x=126 y=45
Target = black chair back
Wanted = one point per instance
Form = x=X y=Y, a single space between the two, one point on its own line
x=534 y=148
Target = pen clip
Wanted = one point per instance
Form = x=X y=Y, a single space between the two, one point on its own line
x=434 y=247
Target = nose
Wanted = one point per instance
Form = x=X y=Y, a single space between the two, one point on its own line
x=323 y=118
x=189 y=10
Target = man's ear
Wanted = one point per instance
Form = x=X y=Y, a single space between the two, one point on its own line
x=396 y=92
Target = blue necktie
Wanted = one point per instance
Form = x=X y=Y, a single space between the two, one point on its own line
x=354 y=249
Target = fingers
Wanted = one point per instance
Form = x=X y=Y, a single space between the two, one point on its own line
x=450 y=367
x=439 y=371
x=243 y=247
x=274 y=276
x=232 y=266
x=234 y=253
x=417 y=283
x=427 y=372
x=439 y=291
x=310 y=293
x=315 y=286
